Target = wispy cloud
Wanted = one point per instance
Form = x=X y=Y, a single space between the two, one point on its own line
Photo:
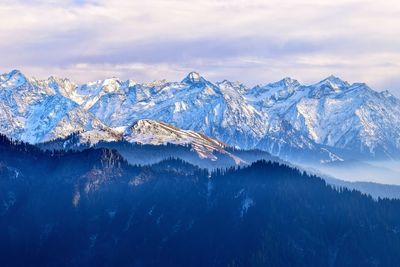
x=252 y=41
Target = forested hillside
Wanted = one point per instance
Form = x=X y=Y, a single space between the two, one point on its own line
x=93 y=208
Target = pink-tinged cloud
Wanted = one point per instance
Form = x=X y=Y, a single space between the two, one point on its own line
x=251 y=41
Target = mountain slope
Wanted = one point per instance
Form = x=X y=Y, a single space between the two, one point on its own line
x=156 y=133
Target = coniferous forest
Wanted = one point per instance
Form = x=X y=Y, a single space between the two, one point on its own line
x=91 y=208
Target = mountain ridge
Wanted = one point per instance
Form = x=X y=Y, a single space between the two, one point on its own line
x=172 y=142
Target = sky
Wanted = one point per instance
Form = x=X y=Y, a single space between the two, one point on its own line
x=254 y=42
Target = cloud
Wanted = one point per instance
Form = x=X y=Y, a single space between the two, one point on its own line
x=252 y=41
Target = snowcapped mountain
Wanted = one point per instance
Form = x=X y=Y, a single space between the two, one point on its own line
x=38 y=110
x=30 y=109
x=328 y=121
x=333 y=113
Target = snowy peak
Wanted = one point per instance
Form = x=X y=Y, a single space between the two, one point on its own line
x=63 y=86
x=286 y=83
x=13 y=73
x=237 y=86
x=14 y=78
x=193 y=78
x=269 y=94
x=333 y=82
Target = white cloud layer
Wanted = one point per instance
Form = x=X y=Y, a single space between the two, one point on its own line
x=252 y=41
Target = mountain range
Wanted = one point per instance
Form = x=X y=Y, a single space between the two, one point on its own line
x=195 y=173
x=329 y=121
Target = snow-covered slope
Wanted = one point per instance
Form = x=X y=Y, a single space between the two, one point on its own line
x=330 y=120
x=91 y=129
x=333 y=113
x=157 y=133
x=30 y=109
x=34 y=110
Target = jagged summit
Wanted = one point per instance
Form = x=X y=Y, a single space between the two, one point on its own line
x=237 y=86
x=230 y=83
x=14 y=72
x=334 y=82
x=285 y=82
x=13 y=78
x=193 y=78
